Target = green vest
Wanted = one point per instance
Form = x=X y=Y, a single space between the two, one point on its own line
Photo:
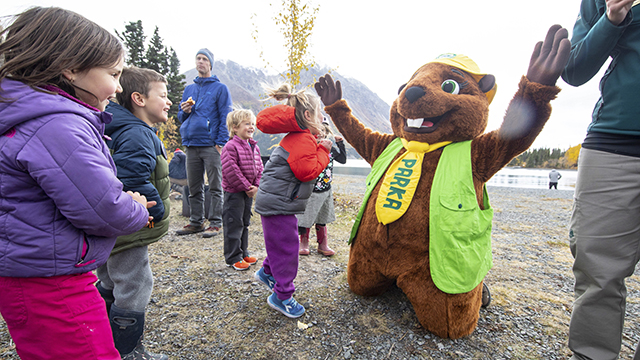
x=378 y=169
x=145 y=236
x=459 y=231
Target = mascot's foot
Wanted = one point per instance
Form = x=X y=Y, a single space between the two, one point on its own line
x=486 y=296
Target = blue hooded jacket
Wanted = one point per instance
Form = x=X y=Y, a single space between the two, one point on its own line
x=206 y=124
x=135 y=147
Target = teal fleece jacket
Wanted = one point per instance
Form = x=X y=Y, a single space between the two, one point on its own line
x=594 y=40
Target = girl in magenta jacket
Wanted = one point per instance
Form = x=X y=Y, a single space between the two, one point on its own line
x=241 y=173
x=61 y=204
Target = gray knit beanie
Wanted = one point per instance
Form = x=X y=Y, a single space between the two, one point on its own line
x=208 y=54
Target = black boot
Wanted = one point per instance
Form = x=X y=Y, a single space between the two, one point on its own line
x=486 y=295
x=107 y=295
x=127 y=327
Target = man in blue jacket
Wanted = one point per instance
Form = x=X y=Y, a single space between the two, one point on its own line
x=605 y=225
x=203 y=113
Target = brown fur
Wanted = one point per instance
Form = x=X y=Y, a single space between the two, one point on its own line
x=399 y=252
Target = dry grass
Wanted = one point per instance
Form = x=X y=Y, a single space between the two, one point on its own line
x=201 y=309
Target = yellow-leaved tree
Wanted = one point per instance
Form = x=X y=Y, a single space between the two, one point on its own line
x=570 y=159
x=296 y=20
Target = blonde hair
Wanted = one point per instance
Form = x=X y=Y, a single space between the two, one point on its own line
x=301 y=100
x=327 y=132
x=236 y=117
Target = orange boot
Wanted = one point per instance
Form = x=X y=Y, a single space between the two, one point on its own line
x=304 y=241
x=323 y=248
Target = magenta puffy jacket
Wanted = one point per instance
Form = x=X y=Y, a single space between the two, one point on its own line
x=241 y=165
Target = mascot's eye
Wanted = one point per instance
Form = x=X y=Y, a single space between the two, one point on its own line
x=451 y=87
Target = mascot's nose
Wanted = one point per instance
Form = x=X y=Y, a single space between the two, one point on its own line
x=414 y=93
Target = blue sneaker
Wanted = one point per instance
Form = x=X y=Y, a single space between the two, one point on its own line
x=289 y=307
x=264 y=278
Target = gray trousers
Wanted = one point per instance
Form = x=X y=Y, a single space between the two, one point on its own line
x=319 y=210
x=236 y=217
x=605 y=242
x=199 y=160
x=129 y=275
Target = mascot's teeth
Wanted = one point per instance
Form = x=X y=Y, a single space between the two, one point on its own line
x=414 y=123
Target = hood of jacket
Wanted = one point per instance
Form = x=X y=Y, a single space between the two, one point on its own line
x=20 y=106
x=278 y=119
x=122 y=119
x=201 y=81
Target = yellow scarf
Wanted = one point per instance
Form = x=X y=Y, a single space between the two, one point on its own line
x=401 y=180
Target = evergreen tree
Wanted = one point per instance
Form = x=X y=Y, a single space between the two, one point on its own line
x=156 y=57
x=175 y=83
x=542 y=158
x=133 y=39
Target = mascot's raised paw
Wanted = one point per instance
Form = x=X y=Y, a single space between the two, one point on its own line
x=550 y=57
x=328 y=91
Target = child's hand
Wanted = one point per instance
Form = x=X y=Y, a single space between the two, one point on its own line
x=141 y=199
x=253 y=190
x=326 y=143
x=338 y=138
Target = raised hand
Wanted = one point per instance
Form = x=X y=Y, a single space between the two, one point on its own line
x=326 y=143
x=550 y=56
x=617 y=10
x=328 y=91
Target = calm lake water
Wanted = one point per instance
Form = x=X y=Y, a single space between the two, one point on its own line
x=511 y=177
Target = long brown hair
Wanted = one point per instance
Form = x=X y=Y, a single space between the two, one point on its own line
x=301 y=100
x=43 y=42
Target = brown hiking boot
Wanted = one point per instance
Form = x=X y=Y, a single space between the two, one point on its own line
x=211 y=231
x=190 y=229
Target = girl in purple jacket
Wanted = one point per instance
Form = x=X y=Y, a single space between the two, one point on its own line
x=241 y=172
x=61 y=204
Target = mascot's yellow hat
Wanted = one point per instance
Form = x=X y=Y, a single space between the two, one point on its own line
x=465 y=64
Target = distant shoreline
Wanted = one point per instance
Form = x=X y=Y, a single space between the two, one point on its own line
x=354 y=182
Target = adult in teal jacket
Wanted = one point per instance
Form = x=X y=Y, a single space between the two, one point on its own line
x=605 y=224
x=203 y=113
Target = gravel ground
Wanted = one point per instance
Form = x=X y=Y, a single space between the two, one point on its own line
x=201 y=309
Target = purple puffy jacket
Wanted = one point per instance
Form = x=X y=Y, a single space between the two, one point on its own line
x=61 y=204
x=241 y=165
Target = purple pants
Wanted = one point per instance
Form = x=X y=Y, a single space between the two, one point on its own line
x=59 y=317
x=282 y=245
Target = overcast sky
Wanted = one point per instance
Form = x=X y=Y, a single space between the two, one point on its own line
x=380 y=44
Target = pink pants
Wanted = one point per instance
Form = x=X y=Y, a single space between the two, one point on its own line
x=60 y=317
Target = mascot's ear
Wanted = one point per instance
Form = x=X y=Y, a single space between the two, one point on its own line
x=487 y=82
x=401 y=87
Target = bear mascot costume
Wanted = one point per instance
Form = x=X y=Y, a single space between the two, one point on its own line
x=425 y=221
